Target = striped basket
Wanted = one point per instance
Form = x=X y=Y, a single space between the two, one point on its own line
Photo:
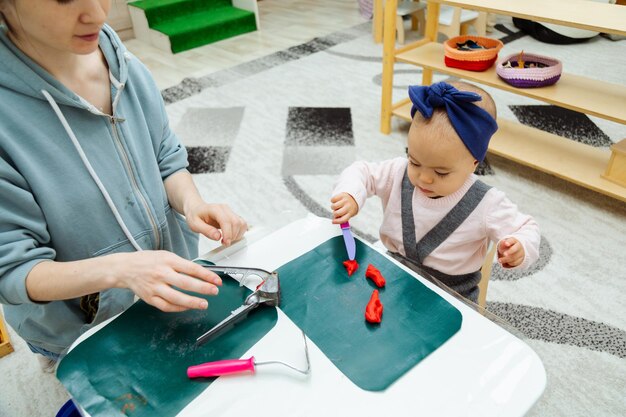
x=476 y=60
x=530 y=77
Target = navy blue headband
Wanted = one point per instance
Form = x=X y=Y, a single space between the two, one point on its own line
x=473 y=125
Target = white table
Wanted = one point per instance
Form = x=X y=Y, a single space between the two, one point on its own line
x=483 y=370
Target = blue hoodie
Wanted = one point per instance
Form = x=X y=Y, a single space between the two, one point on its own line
x=51 y=207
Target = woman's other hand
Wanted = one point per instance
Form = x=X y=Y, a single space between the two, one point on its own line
x=209 y=219
x=215 y=221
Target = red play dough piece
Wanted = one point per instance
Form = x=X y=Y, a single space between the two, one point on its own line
x=374 y=309
x=374 y=274
x=351 y=266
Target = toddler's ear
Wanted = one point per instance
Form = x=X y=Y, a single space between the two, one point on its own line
x=475 y=163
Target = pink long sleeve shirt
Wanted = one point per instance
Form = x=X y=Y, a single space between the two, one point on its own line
x=464 y=251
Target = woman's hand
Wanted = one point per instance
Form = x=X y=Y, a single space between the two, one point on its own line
x=208 y=218
x=344 y=207
x=510 y=253
x=152 y=276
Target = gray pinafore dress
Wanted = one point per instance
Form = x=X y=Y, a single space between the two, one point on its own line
x=465 y=284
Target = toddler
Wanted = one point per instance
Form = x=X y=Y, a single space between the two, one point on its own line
x=436 y=211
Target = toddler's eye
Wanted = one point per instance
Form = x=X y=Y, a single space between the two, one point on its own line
x=414 y=163
x=441 y=174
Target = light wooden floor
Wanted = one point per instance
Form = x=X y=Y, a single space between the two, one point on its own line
x=284 y=23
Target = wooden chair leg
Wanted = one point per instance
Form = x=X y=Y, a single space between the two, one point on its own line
x=486 y=273
x=421 y=18
x=377 y=21
x=400 y=29
x=5 y=343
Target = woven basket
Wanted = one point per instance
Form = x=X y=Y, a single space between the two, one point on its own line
x=476 y=60
x=530 y=77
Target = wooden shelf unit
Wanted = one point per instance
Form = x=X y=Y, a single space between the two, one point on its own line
x=598 y=169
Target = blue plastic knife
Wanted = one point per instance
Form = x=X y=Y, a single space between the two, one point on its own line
x=348 y=239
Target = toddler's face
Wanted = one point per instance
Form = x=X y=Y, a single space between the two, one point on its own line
x=439 y=162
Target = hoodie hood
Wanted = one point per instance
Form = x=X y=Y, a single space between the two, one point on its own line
x=20 y=73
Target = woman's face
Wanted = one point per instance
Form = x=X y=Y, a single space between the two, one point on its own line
x=43 y=26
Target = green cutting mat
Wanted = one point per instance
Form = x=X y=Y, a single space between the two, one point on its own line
x=329 y=306
x=137 y=364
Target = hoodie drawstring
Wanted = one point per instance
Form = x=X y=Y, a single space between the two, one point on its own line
x=92 y=172
x=118 y=88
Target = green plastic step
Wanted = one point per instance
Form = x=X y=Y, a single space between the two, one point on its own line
x=158 y=11
x=201 y=28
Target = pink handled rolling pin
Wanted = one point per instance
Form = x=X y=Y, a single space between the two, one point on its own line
x=236 y=366
x=217 y=368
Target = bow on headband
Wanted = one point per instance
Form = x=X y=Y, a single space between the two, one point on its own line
x=473 y=125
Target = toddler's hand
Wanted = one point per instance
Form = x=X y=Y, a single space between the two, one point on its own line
x=510 y=253
x=344 y=207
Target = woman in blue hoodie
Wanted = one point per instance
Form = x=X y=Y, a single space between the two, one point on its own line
x=92 y=180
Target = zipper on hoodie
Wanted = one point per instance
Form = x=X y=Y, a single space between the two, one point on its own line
x=133 y=180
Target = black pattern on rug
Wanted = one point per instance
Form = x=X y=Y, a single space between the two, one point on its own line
x=203 y=159
x=319 y=126
x=209 y=134
x=192 y=86
x=551 y=326
x=562 y=122
x=510 y=35
x=319 y=140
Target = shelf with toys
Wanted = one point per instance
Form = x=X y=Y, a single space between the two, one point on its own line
x=598 y=169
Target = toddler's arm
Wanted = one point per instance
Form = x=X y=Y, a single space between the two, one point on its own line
x=360 y=181
x=517 y=234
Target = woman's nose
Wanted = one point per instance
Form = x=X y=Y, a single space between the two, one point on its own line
x=95 y=12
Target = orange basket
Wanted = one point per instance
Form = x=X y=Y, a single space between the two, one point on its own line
x=474 y=60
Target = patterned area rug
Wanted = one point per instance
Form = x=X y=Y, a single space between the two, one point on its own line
x=271 y=135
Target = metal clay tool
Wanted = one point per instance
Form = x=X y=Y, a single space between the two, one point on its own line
x=235 y=366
